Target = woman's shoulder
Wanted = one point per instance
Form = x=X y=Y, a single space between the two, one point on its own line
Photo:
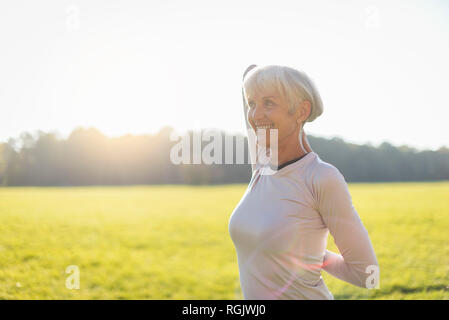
x=322 y=173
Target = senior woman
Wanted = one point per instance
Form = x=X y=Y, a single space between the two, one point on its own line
x=280 y=226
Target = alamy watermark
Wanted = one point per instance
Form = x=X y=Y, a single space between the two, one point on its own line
x=73 y=21
x=73 y=280
x=373 y=280
x=262 y=149
x=373 y=18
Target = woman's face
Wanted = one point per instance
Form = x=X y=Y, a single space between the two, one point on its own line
x=269 y=110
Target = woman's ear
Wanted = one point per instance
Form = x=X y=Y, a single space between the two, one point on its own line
x=304 y=111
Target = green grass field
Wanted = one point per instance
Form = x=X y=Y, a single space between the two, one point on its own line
x=172 y=242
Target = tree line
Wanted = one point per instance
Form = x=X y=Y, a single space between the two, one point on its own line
x=87 y=157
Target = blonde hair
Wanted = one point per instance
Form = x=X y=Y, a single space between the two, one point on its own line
x=293 y=84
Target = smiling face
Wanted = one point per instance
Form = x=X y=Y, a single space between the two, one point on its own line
x=267 y=110
x=280 y=98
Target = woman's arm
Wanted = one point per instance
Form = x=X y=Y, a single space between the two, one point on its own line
x=250 y=134
x=357 y=263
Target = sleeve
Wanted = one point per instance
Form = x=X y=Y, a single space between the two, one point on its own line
x=357 y=264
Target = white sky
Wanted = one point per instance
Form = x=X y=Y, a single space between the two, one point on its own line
x=134 y=66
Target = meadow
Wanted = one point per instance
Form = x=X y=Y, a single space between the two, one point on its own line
x=172 y=242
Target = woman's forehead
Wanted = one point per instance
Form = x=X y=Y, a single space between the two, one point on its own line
x=263 y=94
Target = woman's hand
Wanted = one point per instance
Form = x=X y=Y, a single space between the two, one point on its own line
x=305 y=142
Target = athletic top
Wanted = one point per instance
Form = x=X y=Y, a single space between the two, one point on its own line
x=280 y=228
x=290 y=162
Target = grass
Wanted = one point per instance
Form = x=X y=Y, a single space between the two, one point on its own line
x=172 y=242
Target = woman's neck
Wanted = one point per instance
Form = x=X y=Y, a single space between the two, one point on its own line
x=290 y=149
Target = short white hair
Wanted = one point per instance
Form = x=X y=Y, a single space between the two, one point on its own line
x=291 y=83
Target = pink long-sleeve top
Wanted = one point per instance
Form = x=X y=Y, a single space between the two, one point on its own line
x=280 y=229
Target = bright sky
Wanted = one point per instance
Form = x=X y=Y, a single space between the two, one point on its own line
x=381 y=67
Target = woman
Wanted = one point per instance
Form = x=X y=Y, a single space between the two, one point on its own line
x=281 y=224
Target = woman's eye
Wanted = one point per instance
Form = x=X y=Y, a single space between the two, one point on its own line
x=251 y=104
x=269 y=103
